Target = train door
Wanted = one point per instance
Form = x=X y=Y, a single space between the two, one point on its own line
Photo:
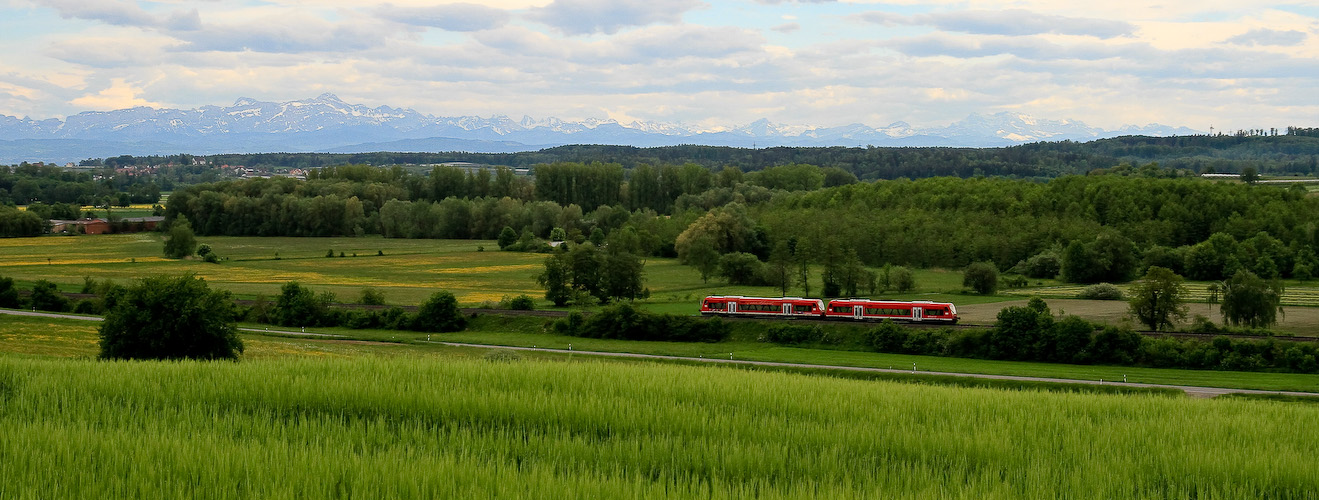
x=787 y=309
x=732 y=307
x=857 y=312
x=916 y=313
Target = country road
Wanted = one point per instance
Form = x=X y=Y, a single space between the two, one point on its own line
x=1193 y=391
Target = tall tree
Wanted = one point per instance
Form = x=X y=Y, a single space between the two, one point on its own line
x=557 y=277
x=1158 y=299
x=981 y=277
x=1250 y=300
x=180 y=242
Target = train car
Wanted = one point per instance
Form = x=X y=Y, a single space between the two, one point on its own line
x=922 y=311
x=762 y=307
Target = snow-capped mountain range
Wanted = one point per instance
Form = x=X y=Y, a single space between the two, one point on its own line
x=328 y=124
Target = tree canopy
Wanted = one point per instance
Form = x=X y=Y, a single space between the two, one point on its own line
x=171 y=318
x=1157 y=300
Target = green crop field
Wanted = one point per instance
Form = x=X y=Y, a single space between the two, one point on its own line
x=49 y=337
x=418 y=427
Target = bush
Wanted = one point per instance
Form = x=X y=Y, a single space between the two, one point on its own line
x=180 y=241
x=793 y=334
x=902 y=279
x=507 y=237
x=299 y=306
x=625 y=322
x=439 y=314
x=171 y=318
x=981 y=277
x=372 y=297
x=8 y=293
x=519 y=303
x=47 y=297
x=1044 y=265
x=87 y=307
x=1101 y=291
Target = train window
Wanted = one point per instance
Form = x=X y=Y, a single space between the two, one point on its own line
x=715 y=305
x=843 y=309
x=801 y=309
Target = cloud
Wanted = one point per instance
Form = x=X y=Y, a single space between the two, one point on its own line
x=1014 y=22
x=118 y=95
x=584 y=17
x=121 y=13
x=787 y=28
x=286 y=34
x=450 y=17
x=109 y=52
x=1264 y=36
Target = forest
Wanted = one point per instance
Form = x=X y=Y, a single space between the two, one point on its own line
x=1293 y=152
x=1108 y=226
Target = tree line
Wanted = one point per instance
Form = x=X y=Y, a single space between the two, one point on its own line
x=28 y=183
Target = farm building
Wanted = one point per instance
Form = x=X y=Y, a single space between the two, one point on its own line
x=103 y=226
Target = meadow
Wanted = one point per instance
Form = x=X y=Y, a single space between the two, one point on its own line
x=65 y=338
x=410 y=270
x=415 y=427
x=407 y=273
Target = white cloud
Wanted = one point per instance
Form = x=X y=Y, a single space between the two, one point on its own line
x=1014 y=22
x=451 y=17
x=583 y=17
x=120 y=94
x=1265 y=36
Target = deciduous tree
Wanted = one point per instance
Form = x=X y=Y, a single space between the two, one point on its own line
x=1158 y=299
x=171 y=318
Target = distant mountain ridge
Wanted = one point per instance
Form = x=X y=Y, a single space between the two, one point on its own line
x=328 y=124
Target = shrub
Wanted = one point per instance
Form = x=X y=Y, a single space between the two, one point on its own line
x=439 y=314
x=8 y=293
x=372 y=297
x=47 y=297
x=625 y=322
x=1101 y=291
x=519 y=303
x=981 y=277
x=299 y=306
x=507 y=237
x=1044 y=265
x=793 y=334
x=180 y=241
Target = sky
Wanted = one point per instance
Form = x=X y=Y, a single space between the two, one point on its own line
x=1200 y=64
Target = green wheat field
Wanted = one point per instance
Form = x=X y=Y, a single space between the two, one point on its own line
x=413 y=427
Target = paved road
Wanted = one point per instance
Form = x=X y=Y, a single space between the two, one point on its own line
x=1197 y=392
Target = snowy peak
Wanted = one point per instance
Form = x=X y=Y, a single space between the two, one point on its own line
x=327 y=122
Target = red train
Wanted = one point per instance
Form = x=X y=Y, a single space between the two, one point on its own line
x=922 y=311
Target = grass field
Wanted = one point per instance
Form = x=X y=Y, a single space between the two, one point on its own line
x=415 y=427
x=411 y=270
x=44 y=337
x=407 y=273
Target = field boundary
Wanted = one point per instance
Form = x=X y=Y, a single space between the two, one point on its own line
x=1193 y=391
